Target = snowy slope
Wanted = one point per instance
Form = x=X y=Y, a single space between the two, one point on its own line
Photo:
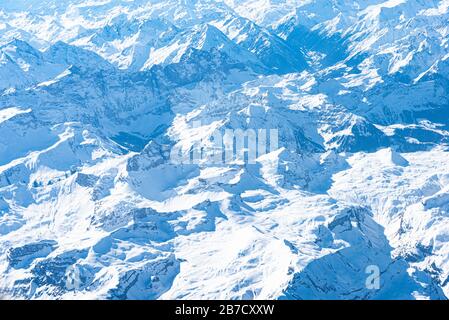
x=96 y=97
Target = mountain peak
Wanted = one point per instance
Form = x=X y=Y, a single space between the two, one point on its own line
x=18 y=46
x=63 y=53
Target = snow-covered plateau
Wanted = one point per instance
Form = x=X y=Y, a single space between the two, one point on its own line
x=349 y=200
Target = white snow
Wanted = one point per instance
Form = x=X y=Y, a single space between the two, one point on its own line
x=357 y=175
x=8 y=113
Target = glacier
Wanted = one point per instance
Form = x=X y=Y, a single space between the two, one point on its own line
x=95 y=96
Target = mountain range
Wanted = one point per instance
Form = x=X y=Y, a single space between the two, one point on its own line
x=95 y=94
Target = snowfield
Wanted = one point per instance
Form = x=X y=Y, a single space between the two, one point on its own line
x=96 y=96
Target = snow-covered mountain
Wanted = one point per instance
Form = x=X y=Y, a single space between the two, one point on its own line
x=348 y=100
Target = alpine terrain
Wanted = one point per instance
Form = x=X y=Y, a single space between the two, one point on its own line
x=114 y=115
